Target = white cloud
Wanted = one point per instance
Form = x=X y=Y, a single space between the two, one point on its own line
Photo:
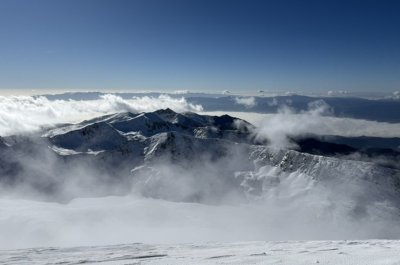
x=337 y=93
x=20 y=114
x=317 y=120
x=226 y=92
x=248 y=102
x=181 y=92
x=319 y=107
x=291 y=122
x=273 y=102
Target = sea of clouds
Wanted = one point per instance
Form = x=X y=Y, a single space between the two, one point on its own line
x=24 y=114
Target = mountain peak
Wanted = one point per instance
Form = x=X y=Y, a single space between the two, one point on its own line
x=165 y=111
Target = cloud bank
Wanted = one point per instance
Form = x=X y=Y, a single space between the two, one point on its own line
x=248 y=102
x=290 y=123
x=318 y=119
x=20 y=114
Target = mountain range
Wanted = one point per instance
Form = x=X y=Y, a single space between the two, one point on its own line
x=195 y=158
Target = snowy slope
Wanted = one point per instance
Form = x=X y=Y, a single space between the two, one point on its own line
x=285 y=252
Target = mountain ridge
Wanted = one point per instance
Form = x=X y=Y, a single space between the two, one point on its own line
x=181 y=157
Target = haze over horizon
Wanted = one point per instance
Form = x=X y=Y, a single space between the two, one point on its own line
x=309 y=46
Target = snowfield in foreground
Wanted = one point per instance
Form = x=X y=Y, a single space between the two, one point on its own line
x=278 y=252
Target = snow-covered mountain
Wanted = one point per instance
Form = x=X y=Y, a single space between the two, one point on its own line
x=181 y=157
x=200 y=177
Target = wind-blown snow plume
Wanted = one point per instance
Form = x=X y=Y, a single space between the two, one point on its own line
x=19 y=114
x=294 y=206
x=248 y=102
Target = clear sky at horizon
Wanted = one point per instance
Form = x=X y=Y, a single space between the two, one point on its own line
x=200 y=45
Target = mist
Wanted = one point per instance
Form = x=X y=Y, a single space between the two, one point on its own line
x=170 y=200
x=287 y=123
x=116 y=220
x=200 y=190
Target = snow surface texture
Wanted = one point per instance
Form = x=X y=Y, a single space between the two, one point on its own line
x=372 y=252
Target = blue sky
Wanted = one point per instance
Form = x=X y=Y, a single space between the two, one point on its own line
x=200 y=45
